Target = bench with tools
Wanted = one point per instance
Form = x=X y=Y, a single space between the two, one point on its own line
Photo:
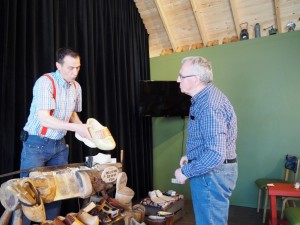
x=157 y=203
x=29 y=194
x=53 y=183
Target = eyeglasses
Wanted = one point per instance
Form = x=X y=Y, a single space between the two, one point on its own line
x=182 y=77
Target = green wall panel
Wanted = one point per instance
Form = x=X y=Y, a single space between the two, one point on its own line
x=261 y=77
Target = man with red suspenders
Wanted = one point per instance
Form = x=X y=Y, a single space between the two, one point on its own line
x=56 y=101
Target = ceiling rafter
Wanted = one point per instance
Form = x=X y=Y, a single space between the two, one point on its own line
x=174 y=25
x=237 y=22
x=200 y=21
x=278 y=15
x=166 y=24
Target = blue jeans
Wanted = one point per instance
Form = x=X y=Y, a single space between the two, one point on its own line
x=211 y=192
x=40 y=151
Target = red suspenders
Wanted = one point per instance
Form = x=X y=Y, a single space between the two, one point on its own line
x=44 y=129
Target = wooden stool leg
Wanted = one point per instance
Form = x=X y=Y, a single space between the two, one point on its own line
x=258 y=200
x=265 y=206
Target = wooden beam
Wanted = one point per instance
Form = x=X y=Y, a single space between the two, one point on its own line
x=200 y=22
x=278 y=15
x=235 y=16
x=166 y=24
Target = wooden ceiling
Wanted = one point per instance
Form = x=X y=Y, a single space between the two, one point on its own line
x=181 y=25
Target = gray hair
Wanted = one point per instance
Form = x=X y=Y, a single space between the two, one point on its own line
x=200 y=66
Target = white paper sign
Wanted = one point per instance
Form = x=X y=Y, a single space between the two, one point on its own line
x=109 y=174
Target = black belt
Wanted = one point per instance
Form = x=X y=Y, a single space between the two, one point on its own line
x=226 y=161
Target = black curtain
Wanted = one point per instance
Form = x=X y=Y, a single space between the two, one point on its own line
x=113 y=44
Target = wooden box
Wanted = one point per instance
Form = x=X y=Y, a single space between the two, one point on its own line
x=176 y=207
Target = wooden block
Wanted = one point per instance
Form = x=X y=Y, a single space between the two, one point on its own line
x=208 y=44
x=178 y=49
x=215 y=42
x=185 y=48
x=199 y=45
x=196 y=46
x=234 y=38
x=169 y=51
x=193 y=47
x=173 y=207
x=163 y=52
x=178 y=214
x=166 y=52
x=225 y=40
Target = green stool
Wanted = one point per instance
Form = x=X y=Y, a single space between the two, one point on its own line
x=292 y=214
x=262 y=189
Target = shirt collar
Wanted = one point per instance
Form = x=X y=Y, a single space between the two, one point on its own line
x=61 y=80
x=201 y=93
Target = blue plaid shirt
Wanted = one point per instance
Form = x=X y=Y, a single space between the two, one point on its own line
x=212 y=132
x=68 y=100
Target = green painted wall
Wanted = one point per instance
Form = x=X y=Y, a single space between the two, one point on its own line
x=261 y=77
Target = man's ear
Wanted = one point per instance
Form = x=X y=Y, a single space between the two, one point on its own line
x=58 y=66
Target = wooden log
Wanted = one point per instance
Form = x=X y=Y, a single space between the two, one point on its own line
x=48 y=185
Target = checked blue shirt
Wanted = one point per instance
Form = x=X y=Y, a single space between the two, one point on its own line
x=212 y=132
x=68 y=100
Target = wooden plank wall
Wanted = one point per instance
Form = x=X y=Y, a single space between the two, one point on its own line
x=181 y=25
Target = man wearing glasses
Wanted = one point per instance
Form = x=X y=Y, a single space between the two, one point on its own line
x=210 y=162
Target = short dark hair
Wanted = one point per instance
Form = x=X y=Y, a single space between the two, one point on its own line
x=63 y=52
